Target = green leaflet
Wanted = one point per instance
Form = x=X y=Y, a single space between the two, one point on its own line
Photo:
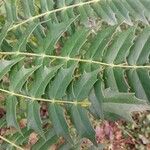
x=48 y=5
x=115 y=78
x=10 y=6
x=85 y=12
x=100 y=43
x=115 y=11
x=123 y=104
x=17 y=137
x=119 y=48
x=59 y=122
x=16 y=86
x=4 y=31
x=51 y=138
x=41 y=79
x=11 y=118
x=96 y=99
x=146 y=4
x=5 y=46
x=20 y=138
x=135 y=9
x=28 y=8
x=22 y=42
x=141 y=78
x=82 y=87
x=33 y=117
x=140 y=50
x=82 y=123
x=99 y=147
x=104 y=11
x=55 y=91
x=74 y=44
x=121 y=12
x=56 y=31
x=120 y=104
x=69 y=146
x=66 y=14
x=6 y=65
x=98 y=46
x=62 y=79
x=2 y=122
x=135 y=53
x=20 y=78
x=79 y=91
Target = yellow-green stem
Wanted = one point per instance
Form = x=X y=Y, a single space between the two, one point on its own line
x=52 y=11
x=13 y=144
x=77 y=60
x=84 y=103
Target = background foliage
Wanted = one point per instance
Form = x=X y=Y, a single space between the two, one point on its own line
x=75 y=59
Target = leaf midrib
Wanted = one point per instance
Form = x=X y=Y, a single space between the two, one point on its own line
x=67 y=58
x=52 y=11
